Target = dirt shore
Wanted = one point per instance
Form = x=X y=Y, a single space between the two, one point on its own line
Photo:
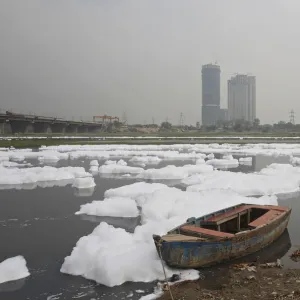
x=238 y=283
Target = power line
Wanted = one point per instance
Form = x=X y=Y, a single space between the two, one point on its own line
x=181 y=120
x=124 y=118
x=292 y=117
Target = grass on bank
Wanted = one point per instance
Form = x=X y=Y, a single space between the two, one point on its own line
x=164 y=134
x=36 y=143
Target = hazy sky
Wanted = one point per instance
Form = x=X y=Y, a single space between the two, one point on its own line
x=85 y=57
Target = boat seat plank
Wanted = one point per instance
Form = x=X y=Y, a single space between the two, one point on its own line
x=266 y=218
x=227 y=214
x=181 y=238
x=204 y=231
x=271 y=207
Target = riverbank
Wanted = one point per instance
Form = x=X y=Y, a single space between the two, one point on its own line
x=38 y=141
x=246 y=283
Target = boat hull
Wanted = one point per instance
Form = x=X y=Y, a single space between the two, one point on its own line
x=195 y=254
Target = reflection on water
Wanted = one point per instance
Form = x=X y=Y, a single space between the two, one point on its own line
x=12 y=285
x=85 y=192
x=287 y=196
x=275 y=251
x=34 y=185
x=128 y=224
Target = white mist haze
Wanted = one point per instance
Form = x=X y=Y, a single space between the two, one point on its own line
x=83 y=58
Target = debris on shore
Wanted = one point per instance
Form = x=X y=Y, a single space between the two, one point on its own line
x=242 y=281
x=295 y=256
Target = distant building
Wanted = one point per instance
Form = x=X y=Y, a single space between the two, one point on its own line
x=223 y=115
x=210 y=94
x=242 y=98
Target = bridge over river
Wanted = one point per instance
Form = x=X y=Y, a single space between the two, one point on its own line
x=20 y=123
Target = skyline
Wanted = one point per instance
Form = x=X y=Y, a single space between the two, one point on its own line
x=73 y=58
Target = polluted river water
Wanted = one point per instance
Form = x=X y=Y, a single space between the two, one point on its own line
x=39 y=223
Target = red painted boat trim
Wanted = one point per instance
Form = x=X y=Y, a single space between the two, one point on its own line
x=194 y=229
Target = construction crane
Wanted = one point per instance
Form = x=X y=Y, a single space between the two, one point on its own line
x=105 y=118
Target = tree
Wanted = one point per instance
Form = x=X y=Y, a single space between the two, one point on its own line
x=109 y=127
x=117 y=124
x=266 y=128
x=166 y=125
x=238 y=127
x=256 y=122
x=211 y=127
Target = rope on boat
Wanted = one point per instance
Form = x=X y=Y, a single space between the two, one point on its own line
x=166 y=280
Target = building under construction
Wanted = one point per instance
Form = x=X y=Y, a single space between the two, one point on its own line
x=106 y=121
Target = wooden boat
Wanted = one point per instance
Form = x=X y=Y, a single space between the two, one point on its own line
x=223 y=235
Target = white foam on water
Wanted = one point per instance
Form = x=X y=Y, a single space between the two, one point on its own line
x=121 y=162
x=42 y=156
x=112 y=256
x=16 y=157
x=84 y=182
x=223 y=163
x=295 y=161
x=12 y=164
x=200 y=161
x=192 y=275
x=173 y=172
x=119 y=169
x=210 y=156
x=145 y=160
x=245 y=159
x=39 y=176
x=54 y=297
x=135 y=190
x=193 y=179
x=111 y=207
x=94 y=170
x=110 y=162
x=168 y=172
x=94 y=162
x=99 y=155
x=13 y=268
x=269 y=149
x=176 y=151
x=174 y=203
x=4 y=156
x=274 y=179
x=48 y=159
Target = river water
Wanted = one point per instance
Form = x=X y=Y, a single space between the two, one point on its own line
x=40 y=224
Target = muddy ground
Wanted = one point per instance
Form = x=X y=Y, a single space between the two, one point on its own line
x=251 y=282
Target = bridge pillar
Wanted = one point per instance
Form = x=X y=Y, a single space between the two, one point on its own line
x=29 y=128
x=72 y=128
x=83 y=129
x=96 y=129
x=42 y=127
x=21 y=127
x=5 y=128
x=58 y=127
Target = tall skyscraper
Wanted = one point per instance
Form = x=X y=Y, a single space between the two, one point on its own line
x=242 y=98
x=210 y=94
